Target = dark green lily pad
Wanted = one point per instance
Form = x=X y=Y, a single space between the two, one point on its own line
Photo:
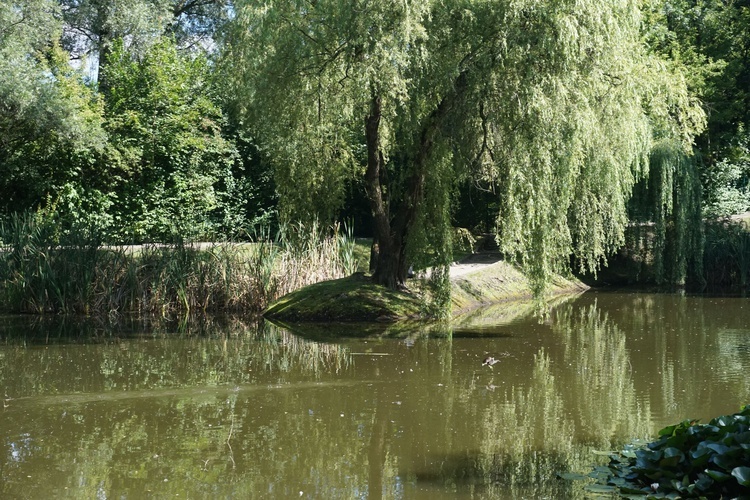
x=688 y=460
x=742 y=474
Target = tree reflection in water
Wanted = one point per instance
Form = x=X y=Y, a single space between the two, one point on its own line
x=229 y=409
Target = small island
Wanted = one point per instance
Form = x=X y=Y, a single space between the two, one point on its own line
x=478 y=280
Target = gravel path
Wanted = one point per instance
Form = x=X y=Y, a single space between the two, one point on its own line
x=474 y=262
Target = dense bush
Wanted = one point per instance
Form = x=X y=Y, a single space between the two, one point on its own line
x=726 y=258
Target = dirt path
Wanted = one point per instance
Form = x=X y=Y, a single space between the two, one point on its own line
x=474 y=262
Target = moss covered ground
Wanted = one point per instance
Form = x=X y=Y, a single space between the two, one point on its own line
x=357 y=299
x=352 y=299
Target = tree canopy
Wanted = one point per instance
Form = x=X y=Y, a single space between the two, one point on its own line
x=571 y=120
x=48 y=117
x=554 y=105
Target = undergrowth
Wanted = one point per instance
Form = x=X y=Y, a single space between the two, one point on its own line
x=44 y=272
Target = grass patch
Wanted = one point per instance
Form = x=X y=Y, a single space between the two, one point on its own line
x=355 y=298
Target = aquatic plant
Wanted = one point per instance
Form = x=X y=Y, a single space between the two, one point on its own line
x=44 y=272
x=689 y=460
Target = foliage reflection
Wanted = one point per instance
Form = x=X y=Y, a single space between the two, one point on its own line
x=228 y=409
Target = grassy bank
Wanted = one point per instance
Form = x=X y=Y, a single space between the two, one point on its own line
x=41 y=272
x=357 y=299
x=500 y=282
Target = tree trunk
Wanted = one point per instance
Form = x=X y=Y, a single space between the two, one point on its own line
x=386 y=268
x=391 y=233
x=104 y=48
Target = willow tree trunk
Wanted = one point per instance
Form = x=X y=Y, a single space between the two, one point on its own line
x=390 y=268
x=392 y=229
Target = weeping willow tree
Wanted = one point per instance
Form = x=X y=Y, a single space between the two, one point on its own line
x=667 y=229
x=555 y=105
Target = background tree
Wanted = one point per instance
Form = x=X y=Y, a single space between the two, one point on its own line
x=557 y=104
x=93 y=26
x=711 y=39
x=146 y=157
x=50 y=122
x=170 y=169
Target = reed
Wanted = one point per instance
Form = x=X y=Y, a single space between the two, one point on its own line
x=42 y=273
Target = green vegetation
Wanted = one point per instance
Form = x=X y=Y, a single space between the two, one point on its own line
x=555 y=107
x=501 y=282
x=549 y=127
x=358 y=299
x=726 y=258
x=43 y=272
x=722 y=265
x=355 y=298
x=689 y=460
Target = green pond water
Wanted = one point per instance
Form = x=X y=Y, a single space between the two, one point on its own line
x=224 y=409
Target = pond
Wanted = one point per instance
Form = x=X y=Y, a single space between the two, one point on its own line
x=226 y=409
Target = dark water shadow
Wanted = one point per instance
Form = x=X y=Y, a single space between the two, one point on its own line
x=499 y=475
x=334 y=332
x=63 y=329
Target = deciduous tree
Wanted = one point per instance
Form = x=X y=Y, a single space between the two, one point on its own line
x=555 y=103
x=50 y=121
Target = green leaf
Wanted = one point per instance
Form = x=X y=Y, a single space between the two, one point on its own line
x=724 y=461
x=718 y=448
x=742 y=474
x=704 y=482
x=672 y=456
x=634 y=491
x=717 y=475
x=650 y=455
x=724 y=421
x=677 y=441
x=617 y=481
x=742 y=438
x=668 y=431
x=600 y=488
x=670 y=462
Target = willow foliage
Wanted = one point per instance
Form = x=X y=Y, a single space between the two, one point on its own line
x=554 y=104
x=303 y=77
x=666 y=209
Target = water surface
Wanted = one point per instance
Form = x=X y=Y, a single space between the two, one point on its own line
x=228 y=409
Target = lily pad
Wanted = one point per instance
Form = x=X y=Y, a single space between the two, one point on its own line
x=742 y=474
x=688 y=460
x=717 y=475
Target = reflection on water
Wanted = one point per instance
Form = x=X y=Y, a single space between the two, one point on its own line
x=231 y=410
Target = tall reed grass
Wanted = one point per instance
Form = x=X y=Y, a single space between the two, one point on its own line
x=43 y=273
